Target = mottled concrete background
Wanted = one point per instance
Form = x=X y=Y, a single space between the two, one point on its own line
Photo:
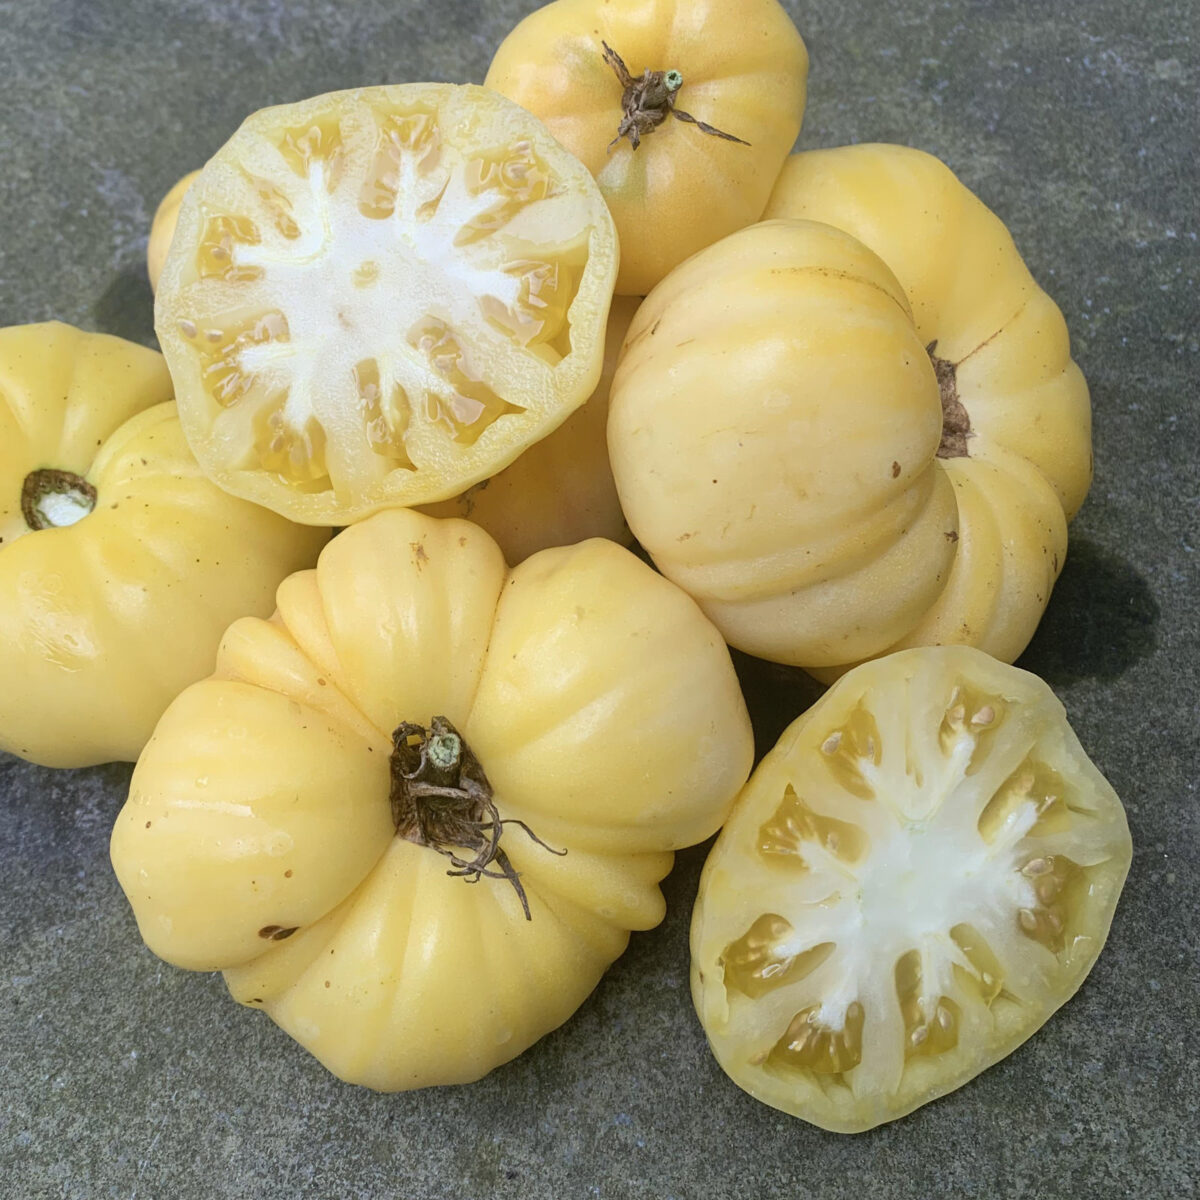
x=1077 y=120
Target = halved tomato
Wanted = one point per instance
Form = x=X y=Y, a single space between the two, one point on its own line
x=922 y=870
x=381 y=297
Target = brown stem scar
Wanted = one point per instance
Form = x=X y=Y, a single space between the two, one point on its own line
x=648 y=100
x=40 y=490
x=956 y=421
x=442 y=799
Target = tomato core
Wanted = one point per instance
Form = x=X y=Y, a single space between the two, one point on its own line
x=442 y=799
x=956 y=421
x=52 y=499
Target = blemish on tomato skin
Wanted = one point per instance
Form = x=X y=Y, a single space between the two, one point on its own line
x=275 y=933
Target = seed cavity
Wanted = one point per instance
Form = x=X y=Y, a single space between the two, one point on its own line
x=796 y=829
x=811 y=1045
x=848 y=749
x=758 y=962
x=468 y=406
x=930 y=1022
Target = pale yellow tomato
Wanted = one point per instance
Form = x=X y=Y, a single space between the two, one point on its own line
x=415 y=815
x=613 y=83
x=561 y=489
x=120 y=564
x=382 y=296
x=791 y=447
x=1017 y=420
x=922 y=870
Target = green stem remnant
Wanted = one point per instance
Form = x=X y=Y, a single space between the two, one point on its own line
x=442 y=799
x=52 y=499
x=649 y=100
x=956 y=421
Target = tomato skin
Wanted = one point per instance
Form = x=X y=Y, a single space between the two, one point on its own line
x=912 y=435
x=259 y=838
x=934 y=804
x=745 y=70
x=104 y=621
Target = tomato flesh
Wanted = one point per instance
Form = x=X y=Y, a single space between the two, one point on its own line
x=916 y=877
x=382 y=297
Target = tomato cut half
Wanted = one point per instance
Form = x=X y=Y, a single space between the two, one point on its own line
x=381 y=297
x=922 y=870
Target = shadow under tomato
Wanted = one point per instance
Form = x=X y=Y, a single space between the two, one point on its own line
x=1102 y=618
x=126 y=307
x=775 y=695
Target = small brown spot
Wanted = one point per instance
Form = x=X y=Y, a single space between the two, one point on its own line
x=256 y=1000
x=895 y=470
x=320 y=683
x=952 y=535
x=462 y=541
x=654 y=327
x=683 y=537
x=1056 y=564
x=419 y=555
x=327 y=983
x=147 y=824
x=276 y=933
x=288 y=873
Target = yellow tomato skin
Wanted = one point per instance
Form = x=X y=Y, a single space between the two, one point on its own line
x=773 y=429
x=745 y=70
x=970 y=292
x=1028 y=461
x=603 y=708
x=104 y=621
x=561 y=489
x=1001 y=496
x=162 y=230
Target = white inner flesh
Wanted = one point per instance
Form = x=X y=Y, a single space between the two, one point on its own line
x=926 y=869
x=352 y=287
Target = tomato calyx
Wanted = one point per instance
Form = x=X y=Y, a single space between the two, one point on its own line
x=53 y=499
x=649 y=100
x=442 y=799
x=956 y=421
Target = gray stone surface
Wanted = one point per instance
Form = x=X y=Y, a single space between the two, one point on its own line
x=122 y=1077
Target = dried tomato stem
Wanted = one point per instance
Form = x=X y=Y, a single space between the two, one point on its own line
x=649 y=100
x=52 y=499
x=442 y=799
x=956 y=421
